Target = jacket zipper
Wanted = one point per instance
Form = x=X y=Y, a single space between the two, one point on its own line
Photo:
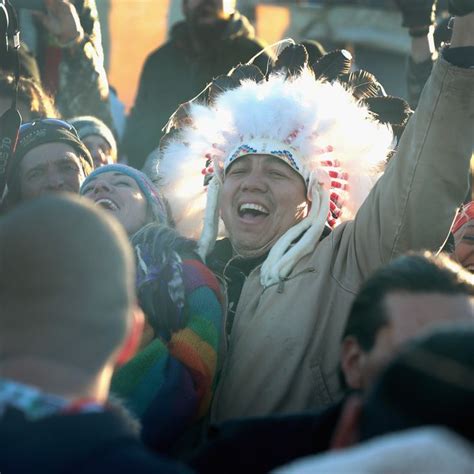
x=281 y=283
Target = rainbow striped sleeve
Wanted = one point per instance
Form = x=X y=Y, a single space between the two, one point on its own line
x=170 y=385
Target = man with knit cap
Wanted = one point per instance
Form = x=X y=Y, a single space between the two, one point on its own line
x=287 y=159
x=49 y=157
x=68 y=317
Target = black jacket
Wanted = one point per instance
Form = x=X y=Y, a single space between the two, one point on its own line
x=76 y=443
x=258 y=445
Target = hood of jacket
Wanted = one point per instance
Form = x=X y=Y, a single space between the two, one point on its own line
x=236 y=26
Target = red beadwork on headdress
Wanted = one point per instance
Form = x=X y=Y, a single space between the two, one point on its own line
x=339 y=186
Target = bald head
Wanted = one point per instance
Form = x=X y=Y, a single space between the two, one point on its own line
x=66 y=282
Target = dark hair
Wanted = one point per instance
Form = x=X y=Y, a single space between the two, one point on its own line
x=31 y=94
x=414 y=273
x=431 y=382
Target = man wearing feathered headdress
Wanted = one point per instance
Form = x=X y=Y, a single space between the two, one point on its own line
x=292 y=166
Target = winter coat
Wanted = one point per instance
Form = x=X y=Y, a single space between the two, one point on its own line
x=258 y=445
x=76 y=443
x=283 y=353
x=175 y=73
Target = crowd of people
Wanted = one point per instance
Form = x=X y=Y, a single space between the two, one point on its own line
x=274 y=262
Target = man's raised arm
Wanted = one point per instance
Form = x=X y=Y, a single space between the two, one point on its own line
x=413 y=204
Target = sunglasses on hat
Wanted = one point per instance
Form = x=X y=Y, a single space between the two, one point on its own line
x=47 y=123
x=39 y=130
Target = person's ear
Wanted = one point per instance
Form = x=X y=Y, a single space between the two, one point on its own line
x=346 y=432
x=133 y=338
x=352 y=360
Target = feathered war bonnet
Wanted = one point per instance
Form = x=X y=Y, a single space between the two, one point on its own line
x=314 y=118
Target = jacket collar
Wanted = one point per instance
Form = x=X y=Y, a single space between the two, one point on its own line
x=236 y=26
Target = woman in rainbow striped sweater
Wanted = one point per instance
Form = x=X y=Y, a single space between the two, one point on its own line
x=169 y=383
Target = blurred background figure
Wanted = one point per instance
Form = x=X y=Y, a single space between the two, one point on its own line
x=213 y=38
x=62 y=50
x=98 y=138
x=32 y=102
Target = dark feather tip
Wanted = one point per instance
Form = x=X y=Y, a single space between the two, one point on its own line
x=332 y=65
x=221 y=84
x=391 y=110
x=292 y=59
x=246 y=71
x=180 y=117
x=363 y=84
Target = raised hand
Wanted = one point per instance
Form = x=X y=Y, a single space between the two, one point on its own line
x=417 y=13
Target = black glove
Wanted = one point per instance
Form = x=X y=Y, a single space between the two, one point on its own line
x=461 y=7
x=417 y=13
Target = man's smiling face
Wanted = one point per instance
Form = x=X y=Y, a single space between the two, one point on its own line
x=262 y=198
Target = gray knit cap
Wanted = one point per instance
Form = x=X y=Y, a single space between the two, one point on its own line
x=88 y=125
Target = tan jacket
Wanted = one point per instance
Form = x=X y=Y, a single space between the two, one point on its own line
x=284 y=346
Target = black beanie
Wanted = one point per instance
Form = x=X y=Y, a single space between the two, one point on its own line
x=38 y=133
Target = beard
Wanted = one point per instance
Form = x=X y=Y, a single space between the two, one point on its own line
x=206 y=33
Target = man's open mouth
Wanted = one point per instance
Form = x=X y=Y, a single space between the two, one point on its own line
x=107 y=204
x=252 y=212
